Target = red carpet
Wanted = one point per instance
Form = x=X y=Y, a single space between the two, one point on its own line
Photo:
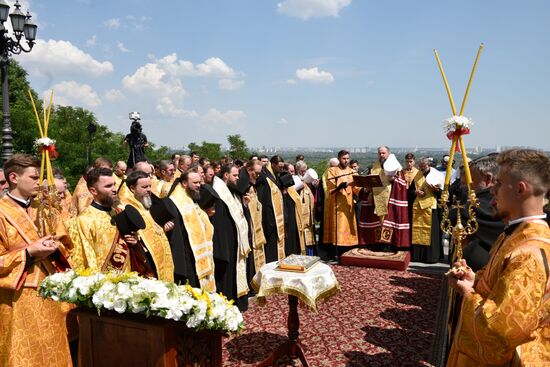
x=380 y=318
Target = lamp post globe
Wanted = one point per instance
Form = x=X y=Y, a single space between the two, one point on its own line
x=22 y=27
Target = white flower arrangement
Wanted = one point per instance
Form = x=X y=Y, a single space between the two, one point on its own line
x=127 y=292
x=44 y=142
x=457 y=123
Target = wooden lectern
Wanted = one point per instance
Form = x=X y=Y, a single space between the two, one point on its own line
x=129 y=340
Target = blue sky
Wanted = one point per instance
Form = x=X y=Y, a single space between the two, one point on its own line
x=299 y=72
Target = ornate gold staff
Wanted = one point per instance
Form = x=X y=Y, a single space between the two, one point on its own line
x=49 y=201
x=456 y=127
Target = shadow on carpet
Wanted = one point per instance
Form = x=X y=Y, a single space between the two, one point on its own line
x=380 y=318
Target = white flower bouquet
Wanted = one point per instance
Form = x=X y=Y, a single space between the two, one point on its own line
x=44 y=142
x=457 y=124
x=129 y=293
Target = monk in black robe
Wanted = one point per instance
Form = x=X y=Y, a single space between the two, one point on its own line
x=231 y=239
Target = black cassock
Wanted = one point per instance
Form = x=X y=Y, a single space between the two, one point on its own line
x=182 y=255
x=476 y=251
x=225 y=254
x=268 y=218
x=292 y=239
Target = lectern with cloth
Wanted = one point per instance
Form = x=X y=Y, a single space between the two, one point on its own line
x=315 y=284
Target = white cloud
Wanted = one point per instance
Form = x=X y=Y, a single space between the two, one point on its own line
x=230 y=84
x=58 y=58
x=160 y=82
x=228 y=118
x=314 y=75
x=137 y=23
x=70 y=93
x=113 y=95
x=121 y=47
x=212 y=67
x=91 y=42
x=153 y=77
x=282 y=121
x=305 y=9
x=167 y=107
x=112 y=24
x=291 y=81
x=130 y=22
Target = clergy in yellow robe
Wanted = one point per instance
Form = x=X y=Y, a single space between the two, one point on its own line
x=96 y=240
x=81 y=196
x=93 y=234
x=502 y=322
x=340 y=225
x=273 y=222
x=308 y=215
x=423 y=205
x=153 y=237
x=193 y=252
x=250 y=173
x=32 y=329
x=258 y=237
x=505 y=314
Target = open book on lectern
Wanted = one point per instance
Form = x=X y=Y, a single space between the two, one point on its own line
x=367 y=181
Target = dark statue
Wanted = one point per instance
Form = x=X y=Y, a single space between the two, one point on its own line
x=136 y=140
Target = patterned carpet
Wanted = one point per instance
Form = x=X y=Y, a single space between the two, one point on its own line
x=380 y=318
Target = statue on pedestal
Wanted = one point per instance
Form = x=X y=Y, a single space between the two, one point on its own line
x=136 y=140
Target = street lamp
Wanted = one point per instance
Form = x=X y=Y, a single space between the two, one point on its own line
x=92 y=128
x=22 y=26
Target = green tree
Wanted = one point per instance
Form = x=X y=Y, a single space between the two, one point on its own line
x=23 y=120
x=211 y=151
x=237 y=147
x=320 y=167
x=68 y=126
x=155 y=154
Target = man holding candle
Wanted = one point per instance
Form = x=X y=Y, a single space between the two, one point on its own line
x=505 y=315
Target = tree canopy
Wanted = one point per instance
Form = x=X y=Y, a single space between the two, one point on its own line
x=75 y=145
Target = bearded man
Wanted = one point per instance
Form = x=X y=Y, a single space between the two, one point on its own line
x=98 y=244
x=190 y=234
x=152 y=247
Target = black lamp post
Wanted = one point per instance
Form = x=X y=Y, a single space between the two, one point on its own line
x=92 y=128
x=22 y=26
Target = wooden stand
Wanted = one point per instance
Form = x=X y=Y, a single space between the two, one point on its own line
x=292 y=347
x=115 y=340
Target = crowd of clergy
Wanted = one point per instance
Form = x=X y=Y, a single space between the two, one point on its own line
x=213 y=224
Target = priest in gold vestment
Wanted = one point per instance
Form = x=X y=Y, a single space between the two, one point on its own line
x=254 y=209
x=505 y=314
x=340 y=225
x=32 y=330
x=153 y=237
x=191 y=237
x=96 y=239
x=271 y=198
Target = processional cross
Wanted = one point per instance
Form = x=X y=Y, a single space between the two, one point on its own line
x=49 y=201
x=455 y=128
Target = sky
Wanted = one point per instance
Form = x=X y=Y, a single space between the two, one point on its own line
x=298 y=73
